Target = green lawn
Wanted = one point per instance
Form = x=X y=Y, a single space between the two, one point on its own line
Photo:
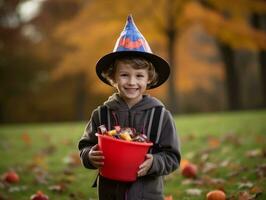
x=229 y=150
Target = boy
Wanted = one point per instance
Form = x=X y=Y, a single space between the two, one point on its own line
x=132 y=69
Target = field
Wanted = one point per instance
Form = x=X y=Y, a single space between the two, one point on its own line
x=229 y=150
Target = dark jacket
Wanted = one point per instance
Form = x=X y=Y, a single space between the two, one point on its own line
x=165 y=161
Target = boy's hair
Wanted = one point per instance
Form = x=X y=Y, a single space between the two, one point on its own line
x=136 y=63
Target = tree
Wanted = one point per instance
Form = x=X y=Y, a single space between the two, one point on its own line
x=165 y=17
x=233 y=33
x=259 y=22
x=169 y=26
x=28 y=51
x=16 y=63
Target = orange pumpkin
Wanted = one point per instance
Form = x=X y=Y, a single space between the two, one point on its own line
x=216 y=195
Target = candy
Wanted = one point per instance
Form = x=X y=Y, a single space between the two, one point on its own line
x=117 y=128
x=128 y=131
x=111 y=132
x=140 y=138
x=102 y=129
x=127 y=134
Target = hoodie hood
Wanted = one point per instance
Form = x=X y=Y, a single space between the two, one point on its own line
x=115 y=102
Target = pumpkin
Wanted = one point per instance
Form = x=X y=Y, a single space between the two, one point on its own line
x=216 y=195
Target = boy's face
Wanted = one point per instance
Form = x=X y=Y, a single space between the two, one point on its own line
x=131 y=83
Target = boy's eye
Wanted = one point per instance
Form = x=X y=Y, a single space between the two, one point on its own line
x=140 y=75
x=123 y=75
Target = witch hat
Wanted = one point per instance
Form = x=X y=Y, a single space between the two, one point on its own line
x=132 y=43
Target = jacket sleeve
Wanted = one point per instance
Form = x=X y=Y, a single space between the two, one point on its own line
x=88 y=140
x=168 y=158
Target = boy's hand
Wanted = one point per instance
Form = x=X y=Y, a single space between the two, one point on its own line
x=96 y=156
x=146 y=165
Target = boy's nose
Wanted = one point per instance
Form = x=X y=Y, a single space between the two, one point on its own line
x=132 y=80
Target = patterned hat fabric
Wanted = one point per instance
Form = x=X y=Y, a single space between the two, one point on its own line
x=132 y=43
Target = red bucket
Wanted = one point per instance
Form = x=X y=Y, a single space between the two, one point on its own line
x=122 y=158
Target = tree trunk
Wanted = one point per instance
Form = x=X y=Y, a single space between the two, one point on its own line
x=262 y=59
x=259 y=22
x=80 y=96
x=171 y=33
x=231 y=77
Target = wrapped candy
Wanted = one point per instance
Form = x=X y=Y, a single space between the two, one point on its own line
x=117 y=128
x=102 y=130
x=140 y=138
x=112 y=132
x=127 y=134
x=128 y=131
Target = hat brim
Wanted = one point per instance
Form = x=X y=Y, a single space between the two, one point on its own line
x=161 y=66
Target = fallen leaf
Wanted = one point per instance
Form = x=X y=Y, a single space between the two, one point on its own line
x=72 y=159
x=214 y=142
x=225 y=163
x=189 y=137
x=39 y=160
x=68 y=171
x=41 y=175
x=204 y=157
x=256 y=190
x=261 y=171
x=236 y=169
x=254 y=153
x=215 y=182
x=232 y=138
x=245 y=185
x=2 y=197
x=57 y=188
x=187 y=182
x=207 y=167
x=17 y=188
x=26 y=138
x=49 y=150
x=66 y=142
x=264 y=153
x=194 y=192
x=168 y=197
x=244 y=195
x=68 y=179
x=2 y=185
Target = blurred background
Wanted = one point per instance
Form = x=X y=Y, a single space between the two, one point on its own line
x=49 y=48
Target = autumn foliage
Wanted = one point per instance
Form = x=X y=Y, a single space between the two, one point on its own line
x=48 y=63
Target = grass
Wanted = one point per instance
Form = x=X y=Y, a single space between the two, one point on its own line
x=228 y=148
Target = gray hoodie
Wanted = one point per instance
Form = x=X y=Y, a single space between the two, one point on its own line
x=164 y=162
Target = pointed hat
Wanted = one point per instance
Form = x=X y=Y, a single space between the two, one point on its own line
x=132 y=43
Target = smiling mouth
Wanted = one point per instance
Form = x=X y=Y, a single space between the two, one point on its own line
x=131 y=89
